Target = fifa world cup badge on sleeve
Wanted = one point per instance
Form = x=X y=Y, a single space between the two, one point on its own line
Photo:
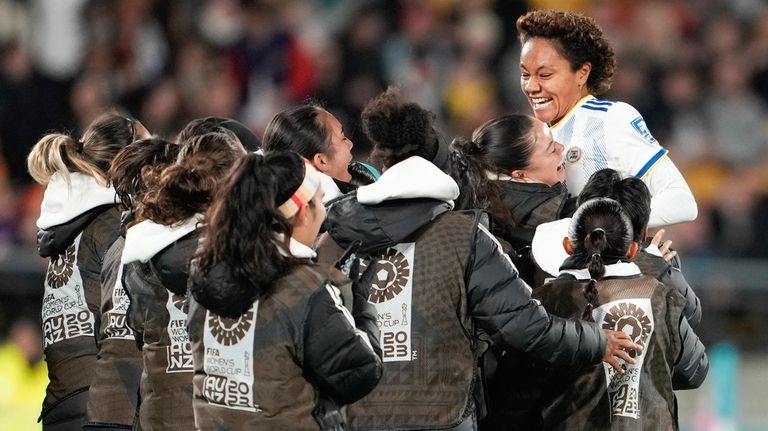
x=639 y=125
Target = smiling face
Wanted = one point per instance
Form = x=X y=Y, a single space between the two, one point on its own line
x=549 y=83
x=546 y=162
x=335 y=160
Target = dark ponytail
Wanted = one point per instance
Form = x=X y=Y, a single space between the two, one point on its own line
x=595 y=244
x=135 y=168
x=476 y=189
x=186 y=187
x=600 y=233
x=498 y=147
x=243 y=223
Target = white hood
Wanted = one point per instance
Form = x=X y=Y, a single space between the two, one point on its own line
x=547 y=245
x=63 y=202
x=618 y=269
x=144 y=240
x=411 y=178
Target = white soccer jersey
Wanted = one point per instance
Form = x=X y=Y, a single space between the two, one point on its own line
x=600 y=134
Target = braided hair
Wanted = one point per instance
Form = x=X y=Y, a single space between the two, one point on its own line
x=600 y=232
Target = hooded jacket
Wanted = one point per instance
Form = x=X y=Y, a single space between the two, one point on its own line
x=78 y=223
x=114 y=393
x=289 y=360
x=642 y=398
x=443 y=280
x=549 y=255
x=531 y=204
x=156 y=259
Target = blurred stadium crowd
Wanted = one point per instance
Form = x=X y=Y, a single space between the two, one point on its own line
x=697 y=71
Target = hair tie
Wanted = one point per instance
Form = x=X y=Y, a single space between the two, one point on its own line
x=79 y=144
x=598 y=229
x=594 y=255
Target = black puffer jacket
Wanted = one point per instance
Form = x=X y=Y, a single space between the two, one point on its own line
x=71 y=314
x=155 y=278
x=642 y=398
x=498 y=302
x=309 y=355
x=114 y=395
x=671 y=275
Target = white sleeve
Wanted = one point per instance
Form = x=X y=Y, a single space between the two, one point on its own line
x=636 y=152
x=632 y=149
x=671 y=198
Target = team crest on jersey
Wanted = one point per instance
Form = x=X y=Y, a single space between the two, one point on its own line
x=230 y=331
x=573 y=155
x=639 y=125
x=392 y=276
x=60 y=268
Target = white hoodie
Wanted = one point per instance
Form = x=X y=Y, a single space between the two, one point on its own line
x=144 y=240
x=411 y=178
x=64 y=201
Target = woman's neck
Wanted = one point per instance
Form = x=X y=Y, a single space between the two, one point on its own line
x=585 y=94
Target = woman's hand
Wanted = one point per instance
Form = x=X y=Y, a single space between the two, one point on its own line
x=664 y=247
x=617 y=348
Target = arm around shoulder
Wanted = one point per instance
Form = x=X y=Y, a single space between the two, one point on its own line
x=500 y=303
x=339 y=357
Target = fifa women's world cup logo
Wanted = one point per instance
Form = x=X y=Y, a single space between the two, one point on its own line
x=61 y=267
x=230 y=331
x=630 y=319
x=391 y=276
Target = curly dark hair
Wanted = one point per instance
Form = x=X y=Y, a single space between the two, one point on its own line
x=398 y=129
x=186 y=187
x=135 y=168
x=579 y=40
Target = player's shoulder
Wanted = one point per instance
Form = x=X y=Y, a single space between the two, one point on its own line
x=623 y=110
x=623 y=119
x=612 y=108
x=596 y=106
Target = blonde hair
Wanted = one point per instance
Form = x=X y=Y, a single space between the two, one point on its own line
x=91 y=155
